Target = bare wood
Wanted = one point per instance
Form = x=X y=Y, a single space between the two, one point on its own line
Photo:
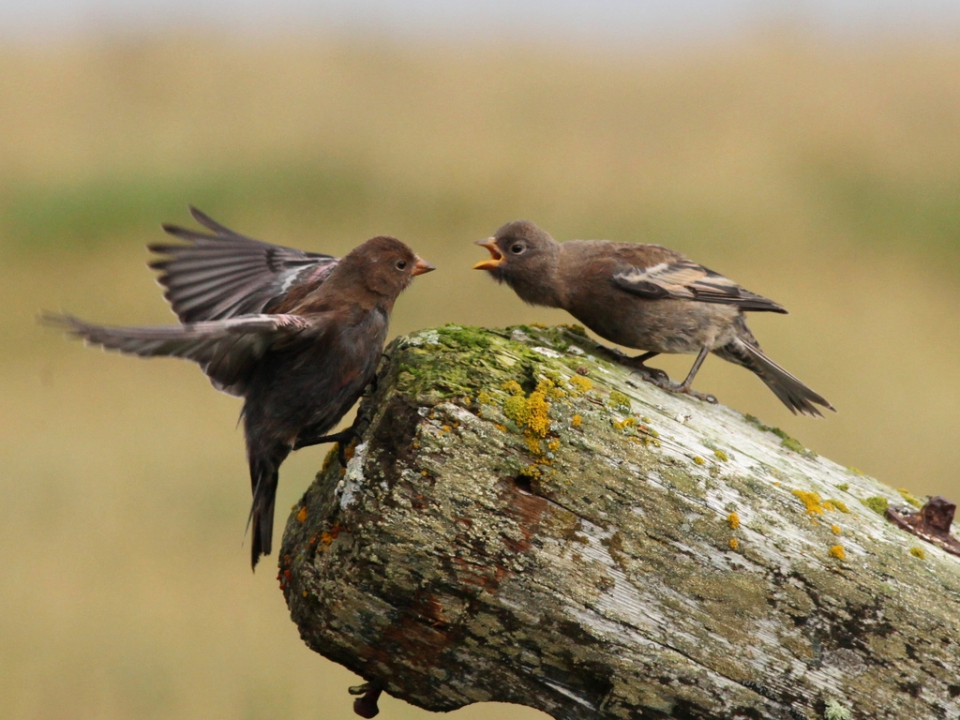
x=594 y=547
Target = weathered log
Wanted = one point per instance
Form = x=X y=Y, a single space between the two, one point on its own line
x=526 y=521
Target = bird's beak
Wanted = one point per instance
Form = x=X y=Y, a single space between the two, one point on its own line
x=421 y=266
x=496 y=257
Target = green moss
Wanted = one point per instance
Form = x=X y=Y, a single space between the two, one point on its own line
x=785 y=440
x=455 y=336
x=876 y=503
x=720 y=455
x=843 y=487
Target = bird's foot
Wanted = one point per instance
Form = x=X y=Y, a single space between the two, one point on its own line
x=653 y=375
x=342 y=439
x=681 y=390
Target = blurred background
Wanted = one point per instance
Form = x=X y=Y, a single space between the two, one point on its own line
x=810 y=151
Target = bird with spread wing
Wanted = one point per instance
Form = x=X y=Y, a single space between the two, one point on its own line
x=298 y=335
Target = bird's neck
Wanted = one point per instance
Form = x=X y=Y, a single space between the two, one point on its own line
x=542 y=287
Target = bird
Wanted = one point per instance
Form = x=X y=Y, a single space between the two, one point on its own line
x=645 y=297
x=298 y=335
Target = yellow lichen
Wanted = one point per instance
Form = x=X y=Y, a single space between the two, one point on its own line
x=909 y=497
x=734 y=544
x=838 y=552
x=512 y=387
x=836 y=529
x=484 y=398
x=553 y=445
x=699 y=460
x=734 y=520
x=811 y=501
x=627 y=422
x=619 y=400
x=720 y=455
x=501 y=428
x=533 y=444
x=580 y=384
x=576 y=421
x=918 y=552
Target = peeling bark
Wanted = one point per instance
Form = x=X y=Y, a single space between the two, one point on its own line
x=526 y=521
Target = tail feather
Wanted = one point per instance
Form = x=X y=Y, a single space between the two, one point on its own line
x=792 y=393
x=264 y=474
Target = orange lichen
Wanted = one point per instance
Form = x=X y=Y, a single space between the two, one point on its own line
x=576 y=421
x=838 y=552
x=836 y=529
x=734 y=520
x=734 y=544
x=302 y=515
x=811 y=501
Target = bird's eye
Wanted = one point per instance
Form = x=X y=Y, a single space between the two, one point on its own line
x=516 y=248
x=401 y=264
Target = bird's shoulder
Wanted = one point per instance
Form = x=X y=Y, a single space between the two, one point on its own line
x=616 y=256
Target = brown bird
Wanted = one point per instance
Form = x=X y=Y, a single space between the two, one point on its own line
x=298 y=335
x=645 y=297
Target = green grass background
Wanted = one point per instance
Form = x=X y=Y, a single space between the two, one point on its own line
x=823 y=175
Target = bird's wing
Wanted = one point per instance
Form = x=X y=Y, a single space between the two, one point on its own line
x=682 y=279
x=225 y=274
x=226 y=350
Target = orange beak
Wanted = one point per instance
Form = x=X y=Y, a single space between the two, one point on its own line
x=421 y=267
x=496 y=257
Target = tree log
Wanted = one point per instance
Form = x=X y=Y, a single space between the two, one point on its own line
x=524 y=520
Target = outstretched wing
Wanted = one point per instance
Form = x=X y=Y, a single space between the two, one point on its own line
x=226 y=274
x=226 y=350
x=680 y=278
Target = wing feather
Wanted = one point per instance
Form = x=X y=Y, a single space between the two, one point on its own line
x=226 y=350
x=682 y=279
x=226 y=274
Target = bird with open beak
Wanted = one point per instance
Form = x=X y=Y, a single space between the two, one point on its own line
x=297 y=335
x=645 y=297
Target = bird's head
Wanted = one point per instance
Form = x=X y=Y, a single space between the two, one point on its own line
x=523 y=256
x=384 y=266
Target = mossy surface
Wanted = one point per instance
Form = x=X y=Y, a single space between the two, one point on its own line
x=525 y=513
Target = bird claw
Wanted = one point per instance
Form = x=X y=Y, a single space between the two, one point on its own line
x=654 y=375
x=703 y=397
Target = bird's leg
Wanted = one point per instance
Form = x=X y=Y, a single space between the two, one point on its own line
x=342 y=438
x=655 y=375
x=684 y=387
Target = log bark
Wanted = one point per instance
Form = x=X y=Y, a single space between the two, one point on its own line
x=526 y=521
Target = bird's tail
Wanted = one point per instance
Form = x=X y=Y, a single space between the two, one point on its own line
x=792 y=393
x=264 y=474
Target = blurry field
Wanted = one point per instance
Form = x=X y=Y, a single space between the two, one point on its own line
x=825 y=177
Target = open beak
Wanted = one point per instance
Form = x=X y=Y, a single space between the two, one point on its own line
x=496 y=257
x=422 y=266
